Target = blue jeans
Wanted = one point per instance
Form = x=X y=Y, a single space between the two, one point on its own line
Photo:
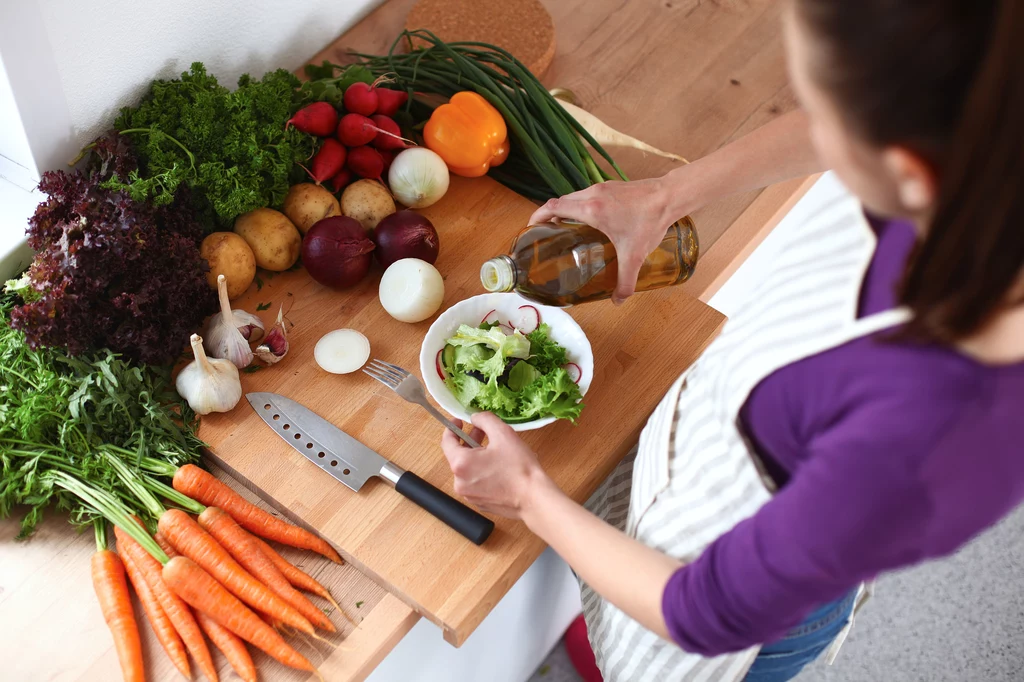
x=784 y=659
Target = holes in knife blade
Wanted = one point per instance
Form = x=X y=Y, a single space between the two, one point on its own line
x=309 y=445
x=320 y=455
x=298 y=436
x=287 y=426
x=267 y=406
x=334 y=462
x=276 y=417
x=346 y=472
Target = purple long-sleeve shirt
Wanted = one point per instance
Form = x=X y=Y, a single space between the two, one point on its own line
x=887 y=454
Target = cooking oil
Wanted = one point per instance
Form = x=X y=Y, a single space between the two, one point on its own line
x=568 y=263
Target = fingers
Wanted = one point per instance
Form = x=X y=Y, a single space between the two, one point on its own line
x=629 y=270
x=489 y=424
x=576 y=206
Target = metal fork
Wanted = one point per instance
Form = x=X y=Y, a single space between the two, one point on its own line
x=409 y=387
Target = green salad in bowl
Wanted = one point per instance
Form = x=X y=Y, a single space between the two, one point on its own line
x=519 y=377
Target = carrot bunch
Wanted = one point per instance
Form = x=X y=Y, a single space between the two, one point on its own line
x=209 y=573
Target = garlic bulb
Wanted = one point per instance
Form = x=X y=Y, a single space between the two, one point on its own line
x=208 y=384
x=229 y=332
x=275 y=345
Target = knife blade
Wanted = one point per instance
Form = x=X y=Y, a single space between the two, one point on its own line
x=352 y=463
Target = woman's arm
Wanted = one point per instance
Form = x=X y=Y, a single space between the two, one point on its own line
x=636 y=214
x=505 y=478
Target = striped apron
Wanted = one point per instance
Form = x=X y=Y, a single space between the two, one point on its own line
x=693 y=475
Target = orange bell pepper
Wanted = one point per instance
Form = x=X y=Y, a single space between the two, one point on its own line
x=468 y=133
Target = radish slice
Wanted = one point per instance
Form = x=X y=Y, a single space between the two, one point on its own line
x=342 y=351
x=437 y=364
x=527 y=320
x=575 y=373
x=490 y=318
x=506 y=329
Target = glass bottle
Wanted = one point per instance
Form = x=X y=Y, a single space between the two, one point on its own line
x=568 y=263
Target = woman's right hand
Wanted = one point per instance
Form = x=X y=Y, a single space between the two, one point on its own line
x=635 y=216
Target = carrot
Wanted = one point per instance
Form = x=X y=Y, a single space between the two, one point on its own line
x=201 y=486
x=168 y=637
x=177 y=612
x=112 y=592
x=189 y=539
x=164 y=545
x=198 y=588
x=242 y=546
x=295 y=575
x=230 y=645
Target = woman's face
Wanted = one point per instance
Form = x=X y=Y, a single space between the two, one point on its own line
x=887 y=180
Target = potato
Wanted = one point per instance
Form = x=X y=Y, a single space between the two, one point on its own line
x=274 y=240
x=229 y=255
x=368 y=201
x=307 y=203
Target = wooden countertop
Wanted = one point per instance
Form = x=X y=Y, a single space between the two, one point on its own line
x=683 y=75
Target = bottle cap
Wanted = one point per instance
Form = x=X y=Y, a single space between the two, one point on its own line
x=497 y=274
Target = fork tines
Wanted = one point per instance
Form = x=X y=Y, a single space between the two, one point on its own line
x=386 y=373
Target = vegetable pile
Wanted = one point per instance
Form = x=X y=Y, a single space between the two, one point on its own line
x=548 y=157
x=111 y=271
x=519 y=377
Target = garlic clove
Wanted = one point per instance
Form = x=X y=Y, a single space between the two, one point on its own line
x=208 y=384
x=250 y=326
x=275 y=346
x=224 y=339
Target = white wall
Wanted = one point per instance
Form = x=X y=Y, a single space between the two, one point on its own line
x=73 y=64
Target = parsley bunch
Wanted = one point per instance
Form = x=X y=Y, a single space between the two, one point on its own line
x=229 y=147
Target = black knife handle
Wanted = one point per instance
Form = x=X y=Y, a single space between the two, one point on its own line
x=457 y=515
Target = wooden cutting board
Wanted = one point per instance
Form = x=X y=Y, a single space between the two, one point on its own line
x=448 y=579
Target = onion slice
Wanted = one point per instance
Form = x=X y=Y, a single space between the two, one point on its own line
x=527 y=320
x=342 y=351
x=574 y=371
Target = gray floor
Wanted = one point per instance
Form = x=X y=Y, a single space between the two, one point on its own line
x=956 y=620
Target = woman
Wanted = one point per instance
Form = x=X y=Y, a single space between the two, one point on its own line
x=862 y=413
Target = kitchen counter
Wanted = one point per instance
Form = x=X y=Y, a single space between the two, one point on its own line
x=683 y=75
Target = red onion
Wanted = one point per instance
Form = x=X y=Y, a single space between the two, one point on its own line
x=405 y=234
x=336 y=252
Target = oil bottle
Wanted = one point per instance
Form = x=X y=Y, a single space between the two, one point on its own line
x=568 y=263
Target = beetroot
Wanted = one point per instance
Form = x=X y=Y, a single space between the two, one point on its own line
x=390 y=101
x=328 y=161
x=360 y=98
x=319 y=118
x=336 y=252
x=355 y=130
x=366 y=162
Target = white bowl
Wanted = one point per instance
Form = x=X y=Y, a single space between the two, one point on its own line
x=471 y=311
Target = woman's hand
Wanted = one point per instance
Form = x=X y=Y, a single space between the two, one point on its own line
x=635 y=216
x=500 y=477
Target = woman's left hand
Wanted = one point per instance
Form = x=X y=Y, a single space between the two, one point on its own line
x=500 y=477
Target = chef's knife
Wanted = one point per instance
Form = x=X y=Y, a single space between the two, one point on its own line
x=352 y=463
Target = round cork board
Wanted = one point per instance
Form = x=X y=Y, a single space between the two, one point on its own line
x=523 y=27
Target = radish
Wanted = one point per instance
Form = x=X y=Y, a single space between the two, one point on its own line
x=328 y=161
x=490 y=318
x=527 y=320
x=319 y=118
x=506 y=329
x=360 y=98
x=437 y=364
x=355 y=130
x=574 y=371
x=390 y=101
x=392 y=137
x=387 y=157
x=366 y=162
x=342 y=180
x=342 y=351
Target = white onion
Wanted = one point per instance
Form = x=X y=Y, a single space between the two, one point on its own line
x=418 y=177
x=411 y=290
x=342 y=351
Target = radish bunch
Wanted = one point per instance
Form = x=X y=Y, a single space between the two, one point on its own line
x=362 y=143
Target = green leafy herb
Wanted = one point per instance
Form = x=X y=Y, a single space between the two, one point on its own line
x=262 y=306
x=259 y=283
x=252 y=369
x=359 y=604
x=325 y=86
x=230 y=147
x=544 y=670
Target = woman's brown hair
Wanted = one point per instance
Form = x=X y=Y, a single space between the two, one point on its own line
x=944 y=78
